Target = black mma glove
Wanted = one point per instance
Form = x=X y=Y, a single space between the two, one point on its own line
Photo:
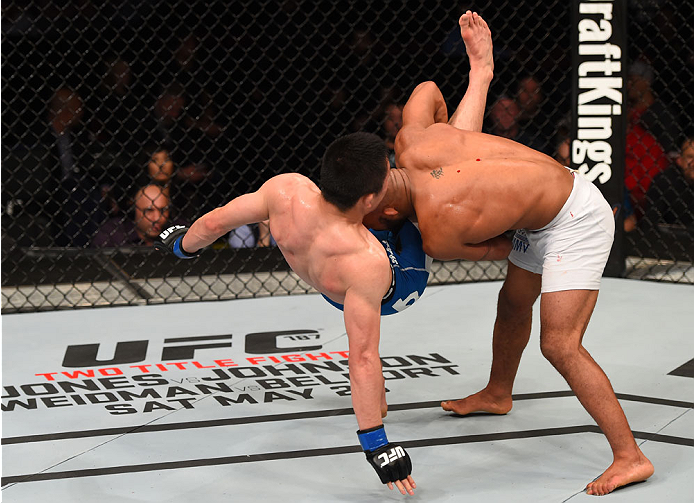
x=390 y=461
x=170 y=241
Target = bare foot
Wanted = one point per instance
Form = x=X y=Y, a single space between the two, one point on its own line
x=478 y=41
x=482 y=401
x=621 y=473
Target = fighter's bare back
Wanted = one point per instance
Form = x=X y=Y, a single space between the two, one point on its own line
x=477 y=186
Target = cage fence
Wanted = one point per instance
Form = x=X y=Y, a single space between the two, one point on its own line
x=121 y=117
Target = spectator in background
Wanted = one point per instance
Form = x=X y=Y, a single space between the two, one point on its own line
x=65 y=112
x=199 y=187
x=333 y=107
x=646 y=110
x=504 y=116
x=534 y=124
x=357 y=71
x=117 y=113
x=670 y=198
x=76 y=177
x=169 y=121
x=160 y=167
x=153 y=166
x=529 y=98
x=644 y=159
x=161 y=170
x=186 y=68
x=147 y=219
x=181 y=183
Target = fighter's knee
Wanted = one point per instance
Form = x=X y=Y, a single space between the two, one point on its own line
x=513 y=303
x=556 y=351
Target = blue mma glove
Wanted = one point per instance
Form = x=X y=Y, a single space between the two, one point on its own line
x=170 y=242
x=391 y=461
x=410 y=266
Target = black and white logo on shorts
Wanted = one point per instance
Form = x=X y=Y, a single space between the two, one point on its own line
x=520 y=241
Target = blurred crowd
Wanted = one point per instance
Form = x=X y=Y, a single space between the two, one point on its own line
x=109 y=136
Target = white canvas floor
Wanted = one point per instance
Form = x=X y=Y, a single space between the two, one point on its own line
x=155 y=421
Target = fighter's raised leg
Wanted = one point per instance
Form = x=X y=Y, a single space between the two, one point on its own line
x=478 y=43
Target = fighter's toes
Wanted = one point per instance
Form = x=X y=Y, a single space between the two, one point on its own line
x=464 y=20
x=595 y=489
x=620 y=474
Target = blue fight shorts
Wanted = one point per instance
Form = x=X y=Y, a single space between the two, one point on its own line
x=410 y=267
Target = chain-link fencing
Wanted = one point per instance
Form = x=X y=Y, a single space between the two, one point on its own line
x=659 y=162
x=121 y=117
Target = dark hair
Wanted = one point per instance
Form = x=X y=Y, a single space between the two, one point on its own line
x=687 y=140
x=353 y=166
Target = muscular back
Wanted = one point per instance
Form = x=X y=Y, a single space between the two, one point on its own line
x=477 y=186
x=318 y=243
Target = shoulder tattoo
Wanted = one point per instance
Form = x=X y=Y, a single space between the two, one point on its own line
x=437 y=173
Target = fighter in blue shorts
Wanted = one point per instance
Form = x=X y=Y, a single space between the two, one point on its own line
x=409 y=265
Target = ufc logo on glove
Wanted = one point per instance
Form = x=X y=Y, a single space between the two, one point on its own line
x=168 y=231
x=395 y=453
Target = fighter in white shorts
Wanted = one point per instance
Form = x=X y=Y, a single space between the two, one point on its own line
x=571 y=251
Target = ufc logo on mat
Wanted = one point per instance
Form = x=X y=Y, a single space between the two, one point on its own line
x=395 y=453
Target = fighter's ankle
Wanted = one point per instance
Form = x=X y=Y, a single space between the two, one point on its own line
x=631 y=456
x=482 y=72
x=497 y=393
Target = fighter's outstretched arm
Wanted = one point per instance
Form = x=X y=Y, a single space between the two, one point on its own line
x=245 y=209
x=362 y=312
x=478 y=42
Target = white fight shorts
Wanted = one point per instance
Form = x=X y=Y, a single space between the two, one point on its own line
x=571 y=251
